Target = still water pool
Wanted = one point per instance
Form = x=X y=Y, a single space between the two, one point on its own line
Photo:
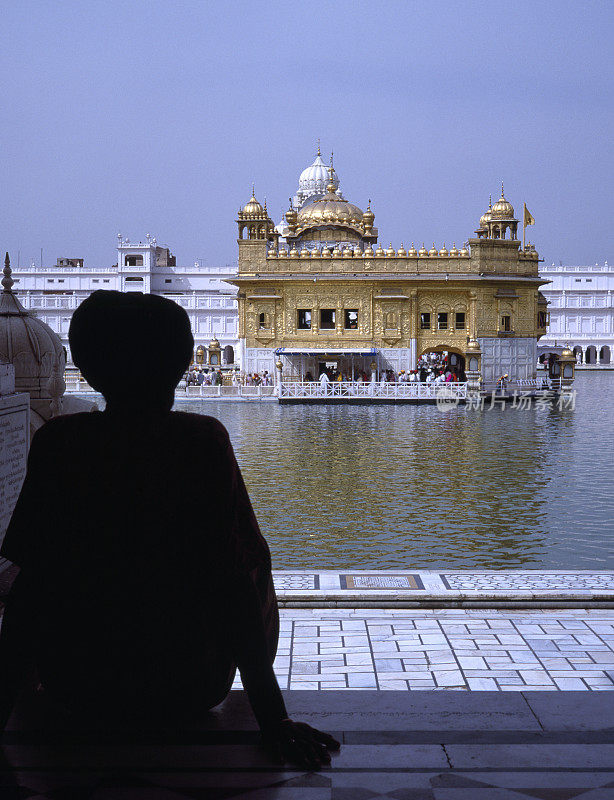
x=411 y=486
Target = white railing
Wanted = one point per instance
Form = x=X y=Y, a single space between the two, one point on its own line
x=229 y=391
x=382 y=389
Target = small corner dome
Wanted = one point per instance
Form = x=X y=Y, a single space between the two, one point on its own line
x=486 y=217
x=253 y=207
x=502 y=209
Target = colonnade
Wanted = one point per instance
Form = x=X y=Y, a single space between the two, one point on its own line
x=593 y=355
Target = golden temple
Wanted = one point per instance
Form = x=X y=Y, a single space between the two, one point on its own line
x=319 y=287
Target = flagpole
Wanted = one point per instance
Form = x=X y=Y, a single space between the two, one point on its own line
x=524 y=223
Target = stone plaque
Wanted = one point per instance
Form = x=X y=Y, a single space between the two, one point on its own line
x=14 y=443
x=381 y=582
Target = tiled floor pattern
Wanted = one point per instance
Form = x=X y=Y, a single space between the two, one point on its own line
x=353 y=784
x=527 y=580
x=446 y=649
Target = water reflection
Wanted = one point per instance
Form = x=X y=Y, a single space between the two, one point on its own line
x=410 y=486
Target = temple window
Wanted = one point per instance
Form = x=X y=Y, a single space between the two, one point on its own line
x=425 y=322
x=263 y=321
x=327 y=319
x=133 y=261
x=506 y=323
x=303 y=322
x=459 y=322
x=541 y=319
x=351 y=319
x=442 y=321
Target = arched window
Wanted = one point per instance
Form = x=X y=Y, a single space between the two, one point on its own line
x=591 y=355
x=263 y=321
x=604 y=355
x=229 y=354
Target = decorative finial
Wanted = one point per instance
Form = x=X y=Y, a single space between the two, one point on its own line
x=332 y=158
x=7 y=281
x=265 y=205
x=502 y=192
x=253 y=192
x=369 y=206
x=319 y=153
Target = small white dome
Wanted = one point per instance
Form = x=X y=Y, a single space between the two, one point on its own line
x=315 y=178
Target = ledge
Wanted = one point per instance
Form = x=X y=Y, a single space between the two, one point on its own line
x=445 y=589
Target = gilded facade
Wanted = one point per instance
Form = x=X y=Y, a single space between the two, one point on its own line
x=318 y=288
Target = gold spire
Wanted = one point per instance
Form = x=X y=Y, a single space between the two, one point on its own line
x=318 y=141
x=331 y=186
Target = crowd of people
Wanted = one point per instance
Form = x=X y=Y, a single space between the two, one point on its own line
x=432 y=367
x=210 y=376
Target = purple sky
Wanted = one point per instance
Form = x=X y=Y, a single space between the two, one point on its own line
x=157 y=116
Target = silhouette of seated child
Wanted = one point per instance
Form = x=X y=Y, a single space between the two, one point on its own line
x=144 y=579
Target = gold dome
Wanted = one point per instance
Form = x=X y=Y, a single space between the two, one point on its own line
x=502 y=209
x=433 y=251
x=566 y=352
x=412 y=252
x=380 y=251
x=390 y=252
x=336 y=252
x=214 y=343
x=272 y=253
x=358 y=252
x=401 y=251
x=253 y=207
x=464 y=252
x=454 y=251
x=485 y=218
x=326 y=252
x=368 y=250
x=473 y=345
x=443 y=252
x=283 y=252
x=294 y=252
x=348 y=252
x=368 y=217
x=330 y=209
x=423 y=251
x=305 y=253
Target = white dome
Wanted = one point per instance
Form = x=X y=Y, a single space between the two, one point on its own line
x=315 y=178
x=34 y=349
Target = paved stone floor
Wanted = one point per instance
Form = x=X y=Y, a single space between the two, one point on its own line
x=495 y=650
x=397 y=745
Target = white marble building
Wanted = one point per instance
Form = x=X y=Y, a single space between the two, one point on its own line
x=53 y=293
x=581 y=311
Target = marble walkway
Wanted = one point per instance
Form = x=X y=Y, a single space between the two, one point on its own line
x=451 y=649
